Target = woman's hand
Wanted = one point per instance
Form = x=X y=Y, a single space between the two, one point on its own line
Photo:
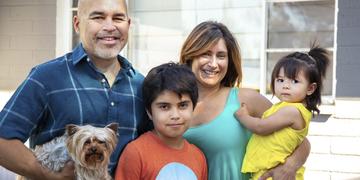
x=280 y=172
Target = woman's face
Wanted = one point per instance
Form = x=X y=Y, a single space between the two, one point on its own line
x=210 y=68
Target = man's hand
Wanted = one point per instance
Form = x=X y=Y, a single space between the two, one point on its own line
x=67 y=173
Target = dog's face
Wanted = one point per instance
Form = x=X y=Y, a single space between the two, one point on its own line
x=89 y=146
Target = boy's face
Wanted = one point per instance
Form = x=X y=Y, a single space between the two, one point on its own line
x=171 y=115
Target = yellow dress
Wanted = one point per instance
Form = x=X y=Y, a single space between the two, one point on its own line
x=265 y=152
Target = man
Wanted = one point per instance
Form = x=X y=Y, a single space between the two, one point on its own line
x=91 y=85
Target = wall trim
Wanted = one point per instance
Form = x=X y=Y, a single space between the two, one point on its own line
x=63 y=27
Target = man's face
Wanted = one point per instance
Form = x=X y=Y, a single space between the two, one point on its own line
x=103 y=27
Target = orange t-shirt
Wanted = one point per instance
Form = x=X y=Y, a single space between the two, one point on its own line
x=149 y=158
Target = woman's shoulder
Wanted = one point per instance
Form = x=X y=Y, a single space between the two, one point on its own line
x=248 y=93
x=256 y=102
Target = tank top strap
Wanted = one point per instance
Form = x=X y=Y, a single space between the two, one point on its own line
x=233 y=97
x=231 y=105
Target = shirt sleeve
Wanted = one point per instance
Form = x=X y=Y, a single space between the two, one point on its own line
x=22 y=113
x=129 y=165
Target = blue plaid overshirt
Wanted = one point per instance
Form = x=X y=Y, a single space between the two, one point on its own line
x=70 y=89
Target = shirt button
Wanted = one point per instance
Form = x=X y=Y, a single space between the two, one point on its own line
x=112 y=104
x=103 y=80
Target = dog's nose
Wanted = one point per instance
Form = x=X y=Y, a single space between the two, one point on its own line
x=93 y=149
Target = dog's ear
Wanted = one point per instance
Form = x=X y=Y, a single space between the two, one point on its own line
x=71 y=129
x=113 y=126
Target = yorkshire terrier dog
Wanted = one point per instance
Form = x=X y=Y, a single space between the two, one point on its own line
x=89 y=147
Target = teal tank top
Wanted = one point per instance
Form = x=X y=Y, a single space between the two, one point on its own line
x=223 y=141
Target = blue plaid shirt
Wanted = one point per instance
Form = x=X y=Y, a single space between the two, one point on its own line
x=70 y=90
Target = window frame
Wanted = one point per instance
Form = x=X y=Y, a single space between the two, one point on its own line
x=327 y=99
x=63 y=27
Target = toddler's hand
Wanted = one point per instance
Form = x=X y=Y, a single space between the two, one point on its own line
x=243 y=110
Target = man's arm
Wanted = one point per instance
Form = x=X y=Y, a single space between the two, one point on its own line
x=16 y=157
x=292 y=163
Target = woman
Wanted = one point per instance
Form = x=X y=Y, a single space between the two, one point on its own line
x=213 y=55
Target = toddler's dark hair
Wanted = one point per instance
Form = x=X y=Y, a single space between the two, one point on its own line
x=313 y=64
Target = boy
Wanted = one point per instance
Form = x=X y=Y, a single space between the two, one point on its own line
x=170 y=94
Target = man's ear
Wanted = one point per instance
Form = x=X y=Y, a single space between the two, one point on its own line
x=149 y=114
x=311 y=89
x=76 y=23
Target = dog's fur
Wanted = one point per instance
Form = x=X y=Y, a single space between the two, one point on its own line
x=89 y=147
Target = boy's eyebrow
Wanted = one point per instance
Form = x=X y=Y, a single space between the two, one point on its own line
x=185 y=101
x=157 y=103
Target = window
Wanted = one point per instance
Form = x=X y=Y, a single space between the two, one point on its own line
x=288 y=26
x=292 y=26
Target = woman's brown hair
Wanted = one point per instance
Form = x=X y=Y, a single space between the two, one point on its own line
x=206 y=35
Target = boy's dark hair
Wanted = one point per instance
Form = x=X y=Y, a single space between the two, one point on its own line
x=313 y=64
x=169 y=76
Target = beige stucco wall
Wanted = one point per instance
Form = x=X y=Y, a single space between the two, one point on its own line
x=27 y=38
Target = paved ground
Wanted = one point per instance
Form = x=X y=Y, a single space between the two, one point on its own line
x=335 y=150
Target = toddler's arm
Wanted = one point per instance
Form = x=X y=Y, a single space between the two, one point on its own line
x=284 y=117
